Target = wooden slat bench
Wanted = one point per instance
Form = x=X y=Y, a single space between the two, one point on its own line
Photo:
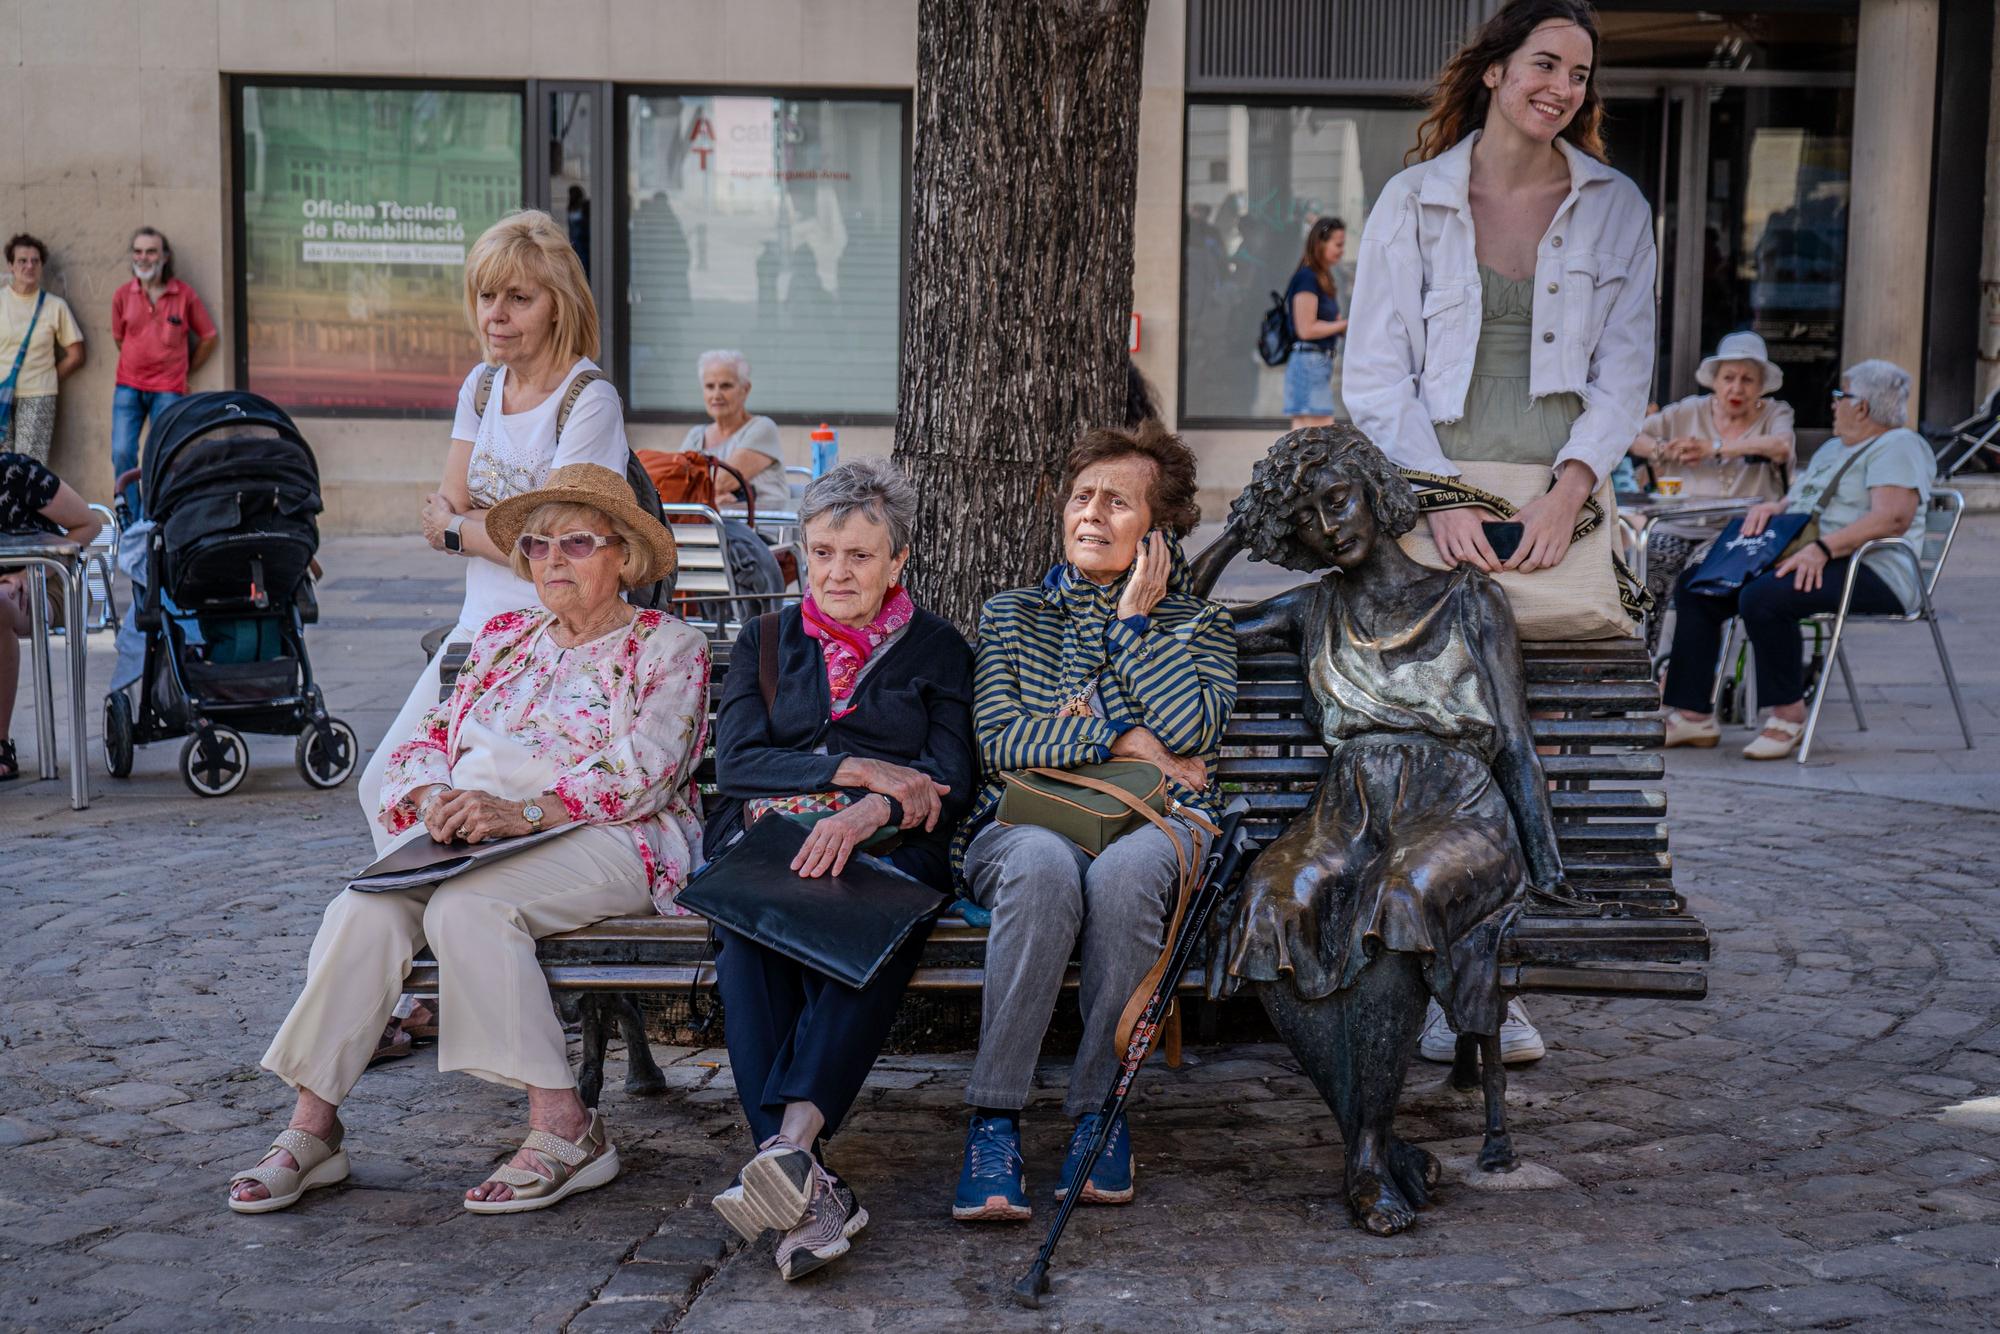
x=1635 y=937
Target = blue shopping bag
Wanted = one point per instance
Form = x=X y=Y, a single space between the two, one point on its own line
x=1734 y=560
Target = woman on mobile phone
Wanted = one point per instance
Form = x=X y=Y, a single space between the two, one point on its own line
x=1503 y=303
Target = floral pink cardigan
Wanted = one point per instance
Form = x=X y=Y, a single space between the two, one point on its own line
x=657 y=682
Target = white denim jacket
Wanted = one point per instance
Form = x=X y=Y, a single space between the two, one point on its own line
x=1415 y=314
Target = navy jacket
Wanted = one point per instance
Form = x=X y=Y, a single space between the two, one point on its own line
x=913 y=708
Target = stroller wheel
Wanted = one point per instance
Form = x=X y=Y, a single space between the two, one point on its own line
x=326 y=755
x=118 y=734
x=214 y=762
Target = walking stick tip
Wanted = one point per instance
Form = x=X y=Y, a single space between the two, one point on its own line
x=1033 y=1286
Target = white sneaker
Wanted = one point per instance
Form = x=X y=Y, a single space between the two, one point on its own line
x=1520 y=1041
x=1438 y=1043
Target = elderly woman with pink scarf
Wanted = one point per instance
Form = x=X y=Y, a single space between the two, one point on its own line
x=869 y=716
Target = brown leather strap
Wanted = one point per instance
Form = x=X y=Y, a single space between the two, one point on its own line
x=1184 y=886
x=484 y=392
x=767 y=658
x=583 y=381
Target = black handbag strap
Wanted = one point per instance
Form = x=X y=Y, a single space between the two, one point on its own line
x=1833 y=483
x=767 y=659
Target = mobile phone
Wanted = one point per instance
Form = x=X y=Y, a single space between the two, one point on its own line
x=1504 y=538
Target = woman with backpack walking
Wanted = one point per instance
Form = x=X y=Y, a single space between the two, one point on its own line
x=1313 y=311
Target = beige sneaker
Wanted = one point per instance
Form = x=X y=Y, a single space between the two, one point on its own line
x=1685 y=731
x=1777 y=740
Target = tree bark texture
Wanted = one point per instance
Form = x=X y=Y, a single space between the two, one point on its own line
x=1020 y=276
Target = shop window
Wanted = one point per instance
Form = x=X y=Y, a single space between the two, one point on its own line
x=352 y=291
x=1258 y=176
x=772 y=226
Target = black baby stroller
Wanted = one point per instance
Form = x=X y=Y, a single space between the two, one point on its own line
x=231 y=488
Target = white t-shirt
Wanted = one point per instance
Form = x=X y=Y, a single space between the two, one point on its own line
x=514 y=452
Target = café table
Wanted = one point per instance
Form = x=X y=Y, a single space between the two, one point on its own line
x=43 y=557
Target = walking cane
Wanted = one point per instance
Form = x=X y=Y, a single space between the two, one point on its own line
x=1231 y=849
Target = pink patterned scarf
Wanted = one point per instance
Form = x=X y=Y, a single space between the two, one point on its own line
x=847 y=649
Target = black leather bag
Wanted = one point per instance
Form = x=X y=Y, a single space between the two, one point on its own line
x=845 y=926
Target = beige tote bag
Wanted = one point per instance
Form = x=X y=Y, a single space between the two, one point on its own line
x=1591 y=595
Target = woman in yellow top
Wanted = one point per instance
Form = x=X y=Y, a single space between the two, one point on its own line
x=54 y=350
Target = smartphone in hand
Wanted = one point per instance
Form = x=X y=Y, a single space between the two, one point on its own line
x=1504 y=538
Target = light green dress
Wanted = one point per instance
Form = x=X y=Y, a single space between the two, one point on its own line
x=1502 y=424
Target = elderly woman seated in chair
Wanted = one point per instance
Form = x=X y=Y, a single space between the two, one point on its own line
x=583 y=710
x=1432 y=821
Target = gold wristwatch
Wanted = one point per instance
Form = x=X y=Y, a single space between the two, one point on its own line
x=532 y=813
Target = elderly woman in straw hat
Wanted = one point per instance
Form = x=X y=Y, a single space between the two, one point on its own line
x=1734 y=442
x=581 y=711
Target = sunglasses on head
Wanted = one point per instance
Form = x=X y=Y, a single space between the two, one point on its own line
x=576 y=546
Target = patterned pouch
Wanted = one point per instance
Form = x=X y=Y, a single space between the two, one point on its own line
x=809 y=808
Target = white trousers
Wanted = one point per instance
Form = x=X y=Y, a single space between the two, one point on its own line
x=496 y=1019
x=423 y=698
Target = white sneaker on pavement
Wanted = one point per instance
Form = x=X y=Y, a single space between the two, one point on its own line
x=1520 y=1040
x=1438 y=1043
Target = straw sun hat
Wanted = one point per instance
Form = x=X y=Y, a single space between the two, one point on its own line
x=602 y=490
x=1743 y=346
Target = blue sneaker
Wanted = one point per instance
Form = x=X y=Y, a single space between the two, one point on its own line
x=1110 y=1180
x=993 y=1184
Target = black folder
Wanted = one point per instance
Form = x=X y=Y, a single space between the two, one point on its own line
x=845 y=926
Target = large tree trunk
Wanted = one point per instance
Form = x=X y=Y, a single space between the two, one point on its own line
x=1020 y=276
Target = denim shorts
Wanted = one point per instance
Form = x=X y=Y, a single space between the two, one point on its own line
x=1309 y=382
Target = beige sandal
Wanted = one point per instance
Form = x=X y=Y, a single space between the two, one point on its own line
x=1766 y=746
x=321 y=1162
x=584 y=1165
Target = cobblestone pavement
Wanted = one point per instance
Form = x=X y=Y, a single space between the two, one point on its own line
x=1808 y=1147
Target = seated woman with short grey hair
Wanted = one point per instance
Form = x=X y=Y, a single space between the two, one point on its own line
x=1871 y=479
x=870 y=718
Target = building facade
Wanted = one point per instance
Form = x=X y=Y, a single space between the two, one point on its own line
x=739 y=176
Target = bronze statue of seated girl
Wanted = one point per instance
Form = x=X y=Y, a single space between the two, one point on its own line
x=1429 y=828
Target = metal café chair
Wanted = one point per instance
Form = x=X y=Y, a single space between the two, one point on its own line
x=1947 y=507
x=1940 y=528
x=43 y=556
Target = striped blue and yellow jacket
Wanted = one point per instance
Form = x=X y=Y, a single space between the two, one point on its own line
x=1040 y=648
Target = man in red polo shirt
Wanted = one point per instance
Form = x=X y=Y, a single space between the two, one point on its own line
x=152 y=318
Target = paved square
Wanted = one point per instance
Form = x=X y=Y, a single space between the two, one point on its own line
x=1808 y=1147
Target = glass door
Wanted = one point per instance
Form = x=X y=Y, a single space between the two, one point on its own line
x=571 y=174
x=1747 y=177
x=1643 y=134
x=1774 y=228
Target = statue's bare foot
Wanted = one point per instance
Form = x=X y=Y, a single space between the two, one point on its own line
x=1378 y=1206
x=1497 y=1153
x=1416 y=1172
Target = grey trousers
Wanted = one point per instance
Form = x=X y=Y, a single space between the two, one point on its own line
x=1046 y=895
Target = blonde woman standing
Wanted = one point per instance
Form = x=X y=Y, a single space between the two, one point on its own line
x=530 y=307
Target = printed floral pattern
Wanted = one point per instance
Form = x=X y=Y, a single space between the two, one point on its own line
x=624 y=720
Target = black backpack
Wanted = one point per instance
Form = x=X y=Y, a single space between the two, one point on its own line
x=1274 y=335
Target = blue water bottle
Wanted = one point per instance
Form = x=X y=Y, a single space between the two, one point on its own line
x=826 y=450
